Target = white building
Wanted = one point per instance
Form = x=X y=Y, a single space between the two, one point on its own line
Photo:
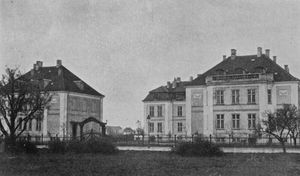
x=230 y=98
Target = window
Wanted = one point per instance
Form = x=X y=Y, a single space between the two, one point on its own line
x=20 y=123
x=151 y=127
x=269 y=96
x=251 y=121
x=251 y=96
x=38 y=125
x=235 y=96
x=220 y=97
x=179 y=111
x=235 y=121
x=179 y=126
x=151 y=112
x=30 y=125
x=159 y=111
x=220 y=121
x=159 y=127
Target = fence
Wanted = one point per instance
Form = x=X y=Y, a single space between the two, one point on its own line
x=171 y=140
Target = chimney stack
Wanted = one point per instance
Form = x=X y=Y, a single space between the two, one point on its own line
x=168 y=84
x=259 y=51
x=233 y=53
x=178 y=79
x=224 y=57
x=274 y=59
x=268 y=52
x=58 y=63
x=286 y=67
x=174 y=83
x=35 y=66
x=191 y=78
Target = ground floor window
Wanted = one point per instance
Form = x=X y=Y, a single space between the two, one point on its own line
x=159 y=127
x=220 y=121
x=151 y=127
x=251 y=121
x=38 y=125
x=179 y=126
x=235 y=121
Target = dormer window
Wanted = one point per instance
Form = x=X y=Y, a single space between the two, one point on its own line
x=220 y=72
x=260 y=70
x=79 y=84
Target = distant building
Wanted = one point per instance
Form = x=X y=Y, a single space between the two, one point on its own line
x=114 y=130
x=73 y=104
x=128 y=131
x=229 y=98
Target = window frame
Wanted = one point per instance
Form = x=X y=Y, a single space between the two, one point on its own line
x=251 y=94
x=179 y=127
x=159 y=127
x=220 y=122
x=219 y=97
x=179 y=111
x=251 y=121
x=269 y=92
x=159 y=111
x=235 y=121
x=151 y=111
x=151 y=127
x=235 y=96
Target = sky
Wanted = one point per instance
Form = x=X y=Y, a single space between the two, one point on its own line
x=125 y=48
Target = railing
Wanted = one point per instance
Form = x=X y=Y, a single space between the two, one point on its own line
x=172 y=140
x=240 y=77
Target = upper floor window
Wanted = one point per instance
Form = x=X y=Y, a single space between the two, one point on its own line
x=220 y=121
x=269 y=96
x=251 y=96
x=179 y=126
x=159 y=111
x=251 y=121
x=179 y=111
x=219 y=97
x=235 y=95
x=151 y=111
x=151 y=127
x=235 y=121
x=159 y=127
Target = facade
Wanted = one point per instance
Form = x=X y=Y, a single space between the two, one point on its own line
x=114 y=130
x=73 y=104
x=232 y=97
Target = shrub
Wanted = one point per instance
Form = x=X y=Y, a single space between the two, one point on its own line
x=25 y=147
x=198 y=148
x=57 y=146
x=102 y=145
x=152 y=138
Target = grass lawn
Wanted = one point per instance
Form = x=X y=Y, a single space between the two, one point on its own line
x=149 y=163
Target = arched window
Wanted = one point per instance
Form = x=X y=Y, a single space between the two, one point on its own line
x=220 y=72
x=239 y=71
x=260 y=69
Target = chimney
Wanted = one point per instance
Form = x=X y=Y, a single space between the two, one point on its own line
x=268 y=52
x=224 y=57
x=178 y=79
x=274 y=59
x=35 y=66
x=191 y=78
x=168 y=84
x=32 y=71
x=58 y=63
x=174 y=83
x=39 y=64
x=286 y=67
x=259 y=51
x=233 y=53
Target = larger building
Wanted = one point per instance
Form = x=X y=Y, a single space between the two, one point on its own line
x=230 y=98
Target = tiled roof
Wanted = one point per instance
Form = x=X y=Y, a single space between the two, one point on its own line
x=163 y=93
x=250 y=64
x=61 y=79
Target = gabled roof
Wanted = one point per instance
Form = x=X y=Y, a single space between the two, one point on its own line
x=59 y=78
x=250 y=64
x=163 y=93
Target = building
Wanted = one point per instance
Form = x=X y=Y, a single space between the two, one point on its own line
x=75 y=107
x=114 y=130
x=230 y=98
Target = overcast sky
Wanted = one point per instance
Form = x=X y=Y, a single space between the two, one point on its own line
x=125 y=48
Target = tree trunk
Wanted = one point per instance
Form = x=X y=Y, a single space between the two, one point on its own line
x=295 y=141
x=283 y=146
x=10 y=143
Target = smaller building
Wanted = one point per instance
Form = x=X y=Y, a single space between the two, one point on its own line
x=114 y=130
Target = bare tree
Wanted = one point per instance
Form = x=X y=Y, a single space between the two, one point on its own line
x=22 y=98
x=280 y=123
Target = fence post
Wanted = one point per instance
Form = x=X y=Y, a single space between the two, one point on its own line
x=157 y=139
x=175 y=140
x=229 y=139
x=210 y=138
x=42 y=139
x=192 y=138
